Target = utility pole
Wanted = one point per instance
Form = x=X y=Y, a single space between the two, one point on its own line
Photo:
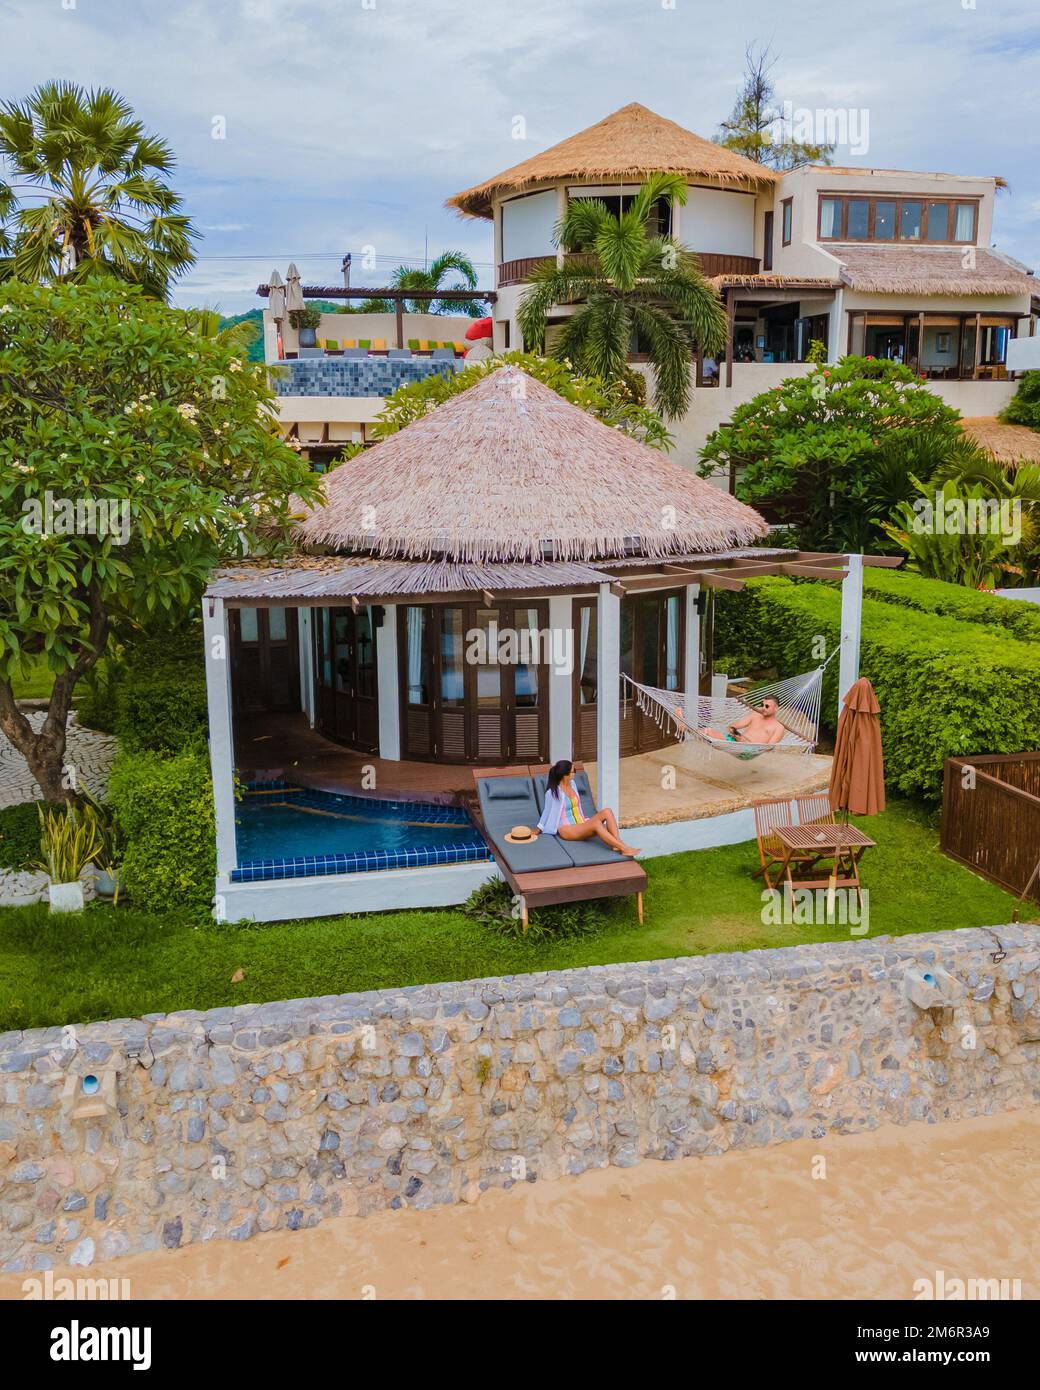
x=346 y=271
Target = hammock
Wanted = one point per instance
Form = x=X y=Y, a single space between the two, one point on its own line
x=798 y=698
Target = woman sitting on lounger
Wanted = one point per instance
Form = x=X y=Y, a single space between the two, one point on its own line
x=562 y=814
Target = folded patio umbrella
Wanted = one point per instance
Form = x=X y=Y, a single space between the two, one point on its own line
x=276 y=297
x=293 y=289
x=857 y=784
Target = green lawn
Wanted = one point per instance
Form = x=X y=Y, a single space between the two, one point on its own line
x=117 y=963
x=37 y=684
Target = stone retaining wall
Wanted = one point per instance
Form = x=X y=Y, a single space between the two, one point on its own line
x=240 y=1120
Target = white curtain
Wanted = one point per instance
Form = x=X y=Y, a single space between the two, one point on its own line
x=416 y=621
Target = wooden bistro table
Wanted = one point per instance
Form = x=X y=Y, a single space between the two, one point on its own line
x=806 y=845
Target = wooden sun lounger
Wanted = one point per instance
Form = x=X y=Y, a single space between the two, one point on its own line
x=542 y=887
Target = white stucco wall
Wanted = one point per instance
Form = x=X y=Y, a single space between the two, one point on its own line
x=720 y=220
x=527 y=225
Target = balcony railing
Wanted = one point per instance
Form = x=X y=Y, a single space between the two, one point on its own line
x=712 y=263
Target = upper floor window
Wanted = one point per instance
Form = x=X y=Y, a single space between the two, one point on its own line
x=787 y=220
x=896 y=219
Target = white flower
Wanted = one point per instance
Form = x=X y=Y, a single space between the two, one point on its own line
x=187 y=412
x=234 y=365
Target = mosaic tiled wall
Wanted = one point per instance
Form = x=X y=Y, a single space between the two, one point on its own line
x=343 y=376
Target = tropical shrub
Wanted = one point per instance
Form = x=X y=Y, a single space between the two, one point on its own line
x=1024 y=406
x=163 y=809
x=19 y=835
x=628 y=284
x=492 y=905
x=833 y=451
x=70 y=838
x=949 y=533
x=947 y=688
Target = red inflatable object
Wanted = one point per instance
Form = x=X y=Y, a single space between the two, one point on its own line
x=479 y=328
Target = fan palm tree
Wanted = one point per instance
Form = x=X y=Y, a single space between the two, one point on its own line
x=431 y=279
x=88 y=192
x=628 y=283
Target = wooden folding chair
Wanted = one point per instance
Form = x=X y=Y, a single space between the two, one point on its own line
x=769 y=816
x=815 y=809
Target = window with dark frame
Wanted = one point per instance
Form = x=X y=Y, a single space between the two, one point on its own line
x=786 y=220
x=848 y=217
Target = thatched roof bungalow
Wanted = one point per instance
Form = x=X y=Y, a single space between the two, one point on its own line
x=473 y=590
x=509 y=471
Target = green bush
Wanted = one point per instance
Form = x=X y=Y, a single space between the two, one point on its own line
x=1021 y=619
x=164 y=811
x=947 y=688
x=151 y=693
x=492 y=905
x=19 y=836
x=1024 y=406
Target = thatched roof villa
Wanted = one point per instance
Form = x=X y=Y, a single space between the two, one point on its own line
x=473 y=589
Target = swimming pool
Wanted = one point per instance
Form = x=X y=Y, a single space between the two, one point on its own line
x=284 y=831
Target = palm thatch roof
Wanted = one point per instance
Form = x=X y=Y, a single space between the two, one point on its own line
x=508 y=470
x=930 y=270
x=1006 y=444
x=625 y=146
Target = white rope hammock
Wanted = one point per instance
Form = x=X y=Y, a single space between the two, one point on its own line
x=690 y=716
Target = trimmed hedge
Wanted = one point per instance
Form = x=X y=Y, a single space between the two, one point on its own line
x=164 y=808
x=19 y=836
x=947 y=688
x=953 y=601
x=152 y=695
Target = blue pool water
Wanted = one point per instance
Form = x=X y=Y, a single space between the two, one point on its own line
x=290 y=832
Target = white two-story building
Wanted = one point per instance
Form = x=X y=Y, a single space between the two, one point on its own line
x=872 y=261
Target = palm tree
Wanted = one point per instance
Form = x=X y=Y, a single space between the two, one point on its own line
x=88 y=194
x=628 y=283
x=404 y=278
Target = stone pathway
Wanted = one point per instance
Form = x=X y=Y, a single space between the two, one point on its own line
x=88 y=753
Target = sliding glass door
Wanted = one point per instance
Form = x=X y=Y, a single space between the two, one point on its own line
x=474 y=683
x=653 y=643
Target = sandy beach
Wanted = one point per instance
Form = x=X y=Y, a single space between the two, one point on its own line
x=863 y=1216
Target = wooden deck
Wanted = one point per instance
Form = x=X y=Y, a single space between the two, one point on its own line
x=681 y=782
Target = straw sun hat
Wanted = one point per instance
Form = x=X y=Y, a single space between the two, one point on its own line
x=520 y=835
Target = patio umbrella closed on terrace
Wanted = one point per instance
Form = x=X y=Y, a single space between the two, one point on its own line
x=276 y=297
x=857 y=783
x=293 y=289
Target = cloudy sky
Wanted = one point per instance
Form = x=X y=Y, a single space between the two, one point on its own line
x=347 y=123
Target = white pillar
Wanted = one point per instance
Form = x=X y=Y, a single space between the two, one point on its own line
x=691 y=682
x=305 y=628
x=561 y=679
x=608 y=696
x=561 y=213
x=388 y=686
x=221 y=737
x=835 y=351
x=851 y=626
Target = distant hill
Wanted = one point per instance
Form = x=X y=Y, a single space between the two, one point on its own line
x=256 y=318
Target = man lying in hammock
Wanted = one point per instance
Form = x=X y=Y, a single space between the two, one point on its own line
x=760 y=727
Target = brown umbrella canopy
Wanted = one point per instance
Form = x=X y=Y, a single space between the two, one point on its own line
x=858 y=771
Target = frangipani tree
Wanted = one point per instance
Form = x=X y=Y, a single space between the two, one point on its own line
x=135 y=455
x=626 y=282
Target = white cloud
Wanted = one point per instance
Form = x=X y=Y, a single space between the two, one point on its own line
x=347 y=125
